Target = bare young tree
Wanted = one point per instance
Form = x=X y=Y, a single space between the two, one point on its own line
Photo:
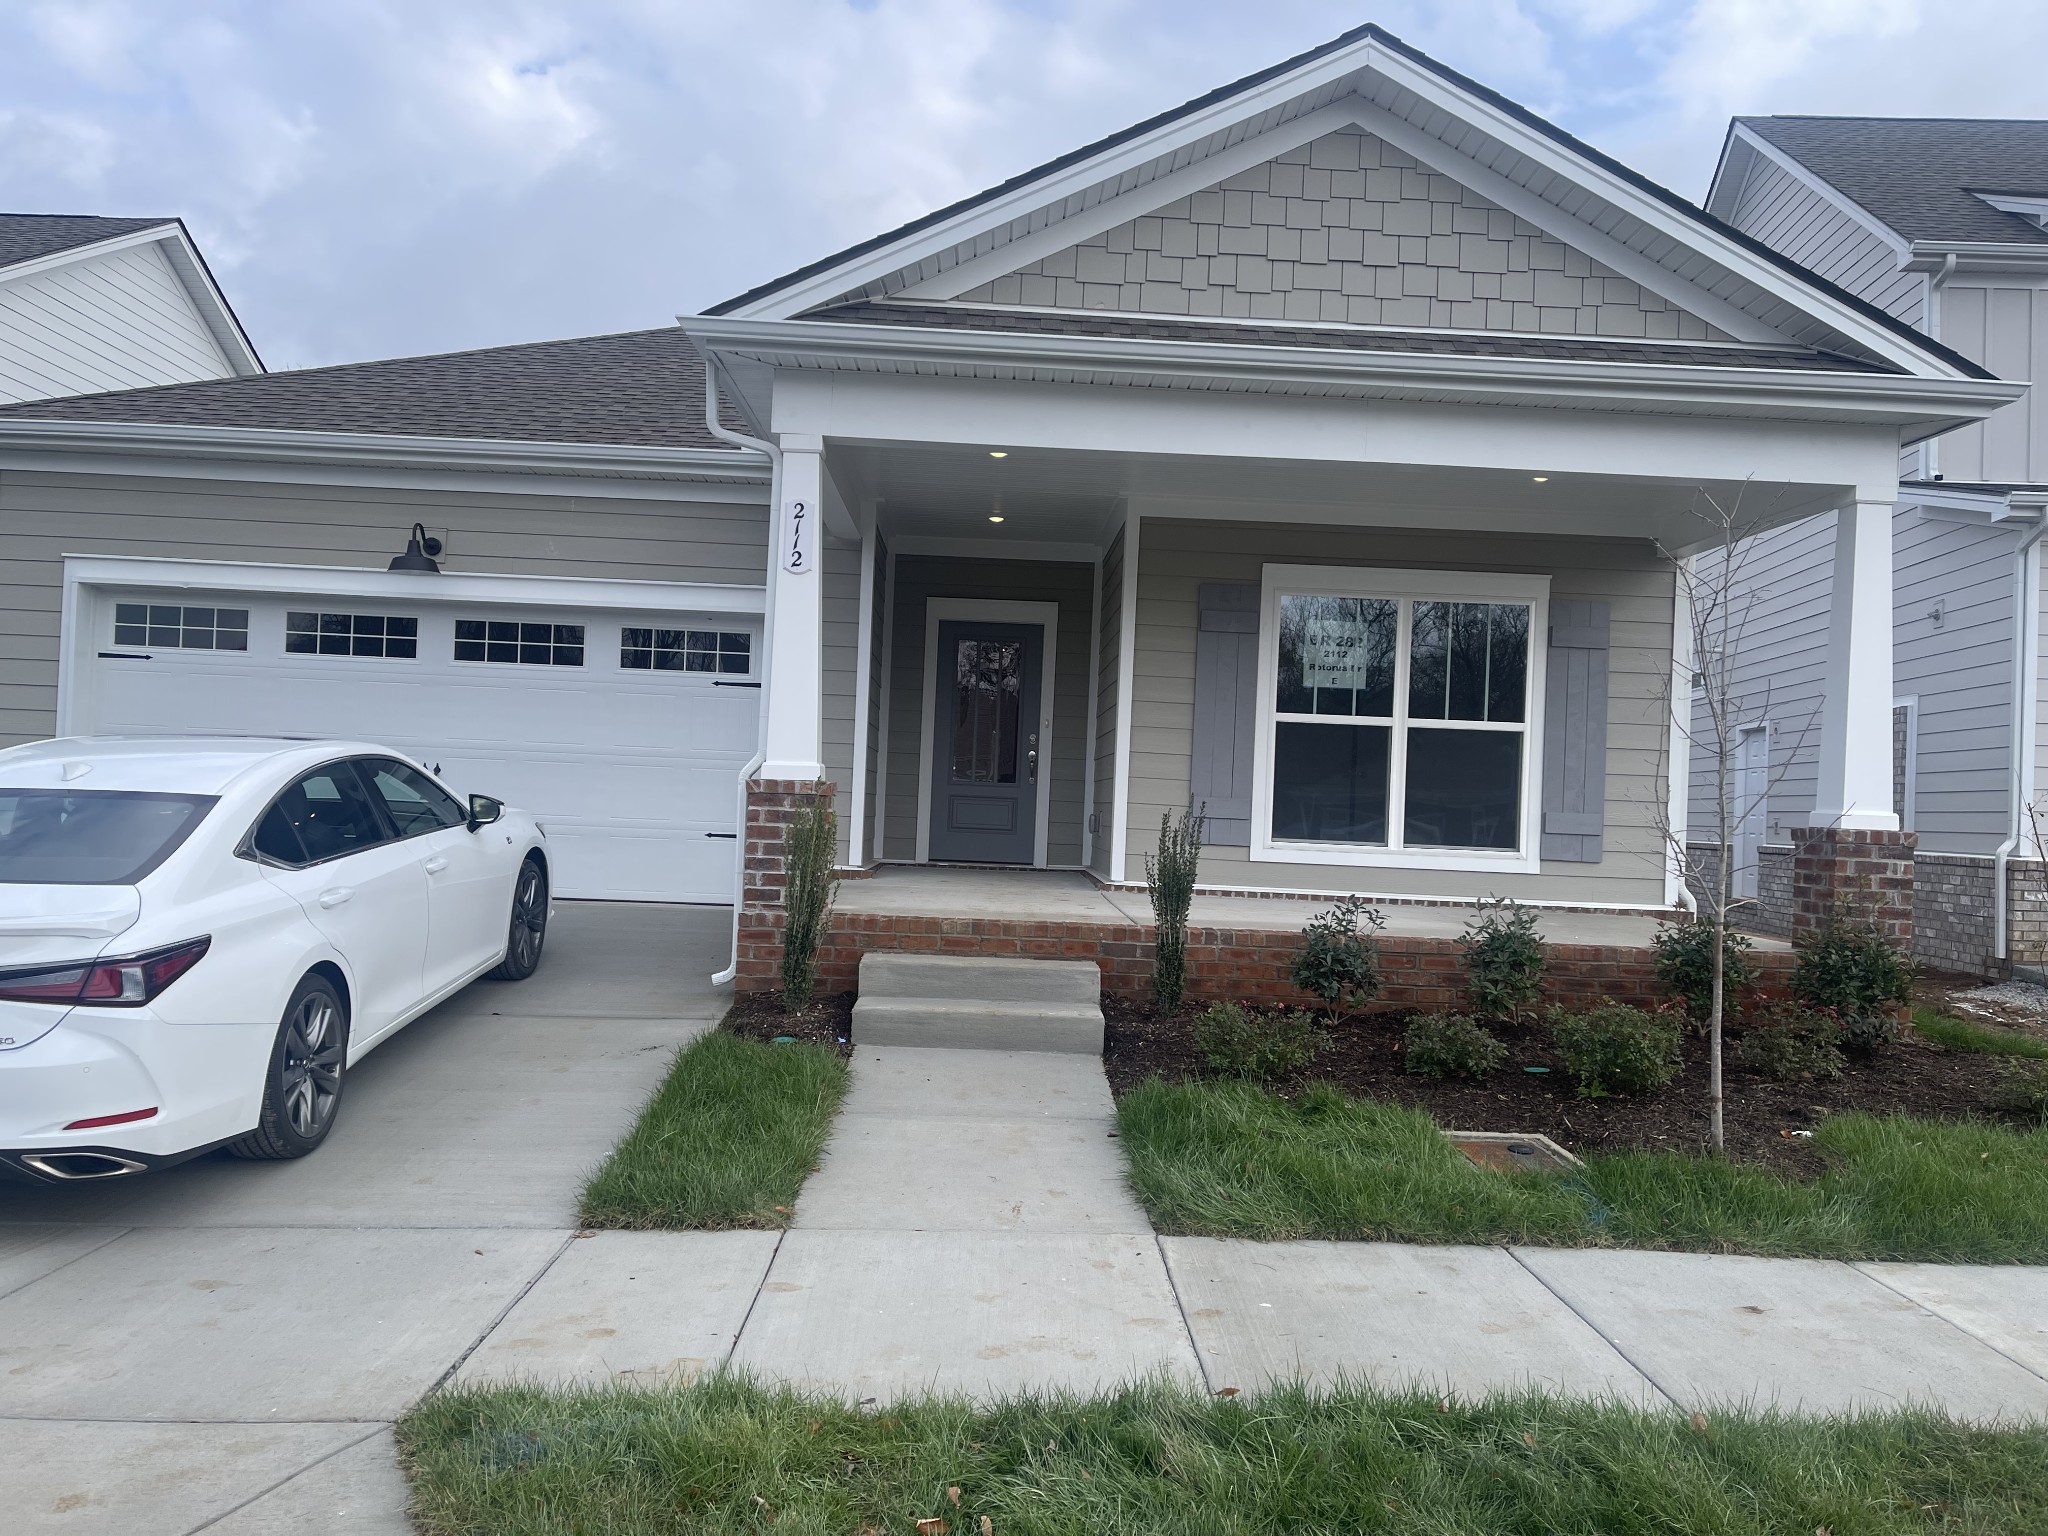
x=1719 y=589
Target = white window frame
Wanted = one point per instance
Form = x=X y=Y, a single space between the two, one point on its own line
x=1405 y=587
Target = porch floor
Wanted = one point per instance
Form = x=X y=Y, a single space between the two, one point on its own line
x=1047 y=895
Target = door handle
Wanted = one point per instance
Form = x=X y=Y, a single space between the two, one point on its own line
x=334 y=896
x=1031 y=762
x=437 y=863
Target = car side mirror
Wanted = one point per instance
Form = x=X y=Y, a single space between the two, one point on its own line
x=483 y=810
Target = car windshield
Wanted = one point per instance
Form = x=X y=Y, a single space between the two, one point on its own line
x=91 y=837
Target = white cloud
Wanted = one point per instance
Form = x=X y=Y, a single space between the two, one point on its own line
x=380 y=176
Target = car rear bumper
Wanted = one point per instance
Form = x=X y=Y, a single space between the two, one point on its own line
x=204 y=1082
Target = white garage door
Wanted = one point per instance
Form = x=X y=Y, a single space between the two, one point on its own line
x=623 y=731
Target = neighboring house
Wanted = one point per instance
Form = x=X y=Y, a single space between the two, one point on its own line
x=90 y=304
x=1944 y=224
x=1308 y=452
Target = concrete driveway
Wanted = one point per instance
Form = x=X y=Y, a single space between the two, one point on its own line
x=224 y=1345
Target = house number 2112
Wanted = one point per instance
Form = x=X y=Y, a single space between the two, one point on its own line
x=799 y=538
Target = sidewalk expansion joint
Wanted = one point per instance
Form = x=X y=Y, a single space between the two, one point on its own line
x=1598 y=1332
x=1181 y=1306
x=1935 y=1312
x=375 y=1430
x=752 y=1301
x=503 y=1312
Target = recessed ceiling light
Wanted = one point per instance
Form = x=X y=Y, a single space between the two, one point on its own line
x=997 y=453
x=995 y=517
x=1540 y=479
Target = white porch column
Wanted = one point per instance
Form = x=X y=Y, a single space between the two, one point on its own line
x=795 y=677
x=1855 y=784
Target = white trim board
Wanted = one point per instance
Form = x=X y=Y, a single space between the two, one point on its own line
x=1047 y=617
x=1402 y=585
x=863 y=682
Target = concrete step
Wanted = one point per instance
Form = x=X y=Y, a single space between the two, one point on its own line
x=969 y=1003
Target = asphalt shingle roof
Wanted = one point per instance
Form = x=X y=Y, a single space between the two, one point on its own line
x=27 y=236
x=1466 y=344
x=1917 y=174
x=638 y=388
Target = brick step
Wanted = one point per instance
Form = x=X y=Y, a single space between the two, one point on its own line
x=975 y=1003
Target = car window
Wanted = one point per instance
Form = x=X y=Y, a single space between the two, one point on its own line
x=328 y=811
x=91 y=837
x=415 y=802
x=276 y=838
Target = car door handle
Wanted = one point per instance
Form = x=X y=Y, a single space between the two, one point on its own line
x=437 y=863
x=334 y=896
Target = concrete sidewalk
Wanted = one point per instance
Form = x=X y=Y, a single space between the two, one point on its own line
x=970 y=1230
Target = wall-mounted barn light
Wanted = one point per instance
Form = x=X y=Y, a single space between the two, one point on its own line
x=419 y=553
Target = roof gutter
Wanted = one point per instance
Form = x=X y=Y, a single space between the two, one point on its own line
x=1941 y=255
x=273 y=445
x=798 y=343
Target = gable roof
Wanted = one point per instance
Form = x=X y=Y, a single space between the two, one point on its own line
x=29 y=236
x=1741 y=274
x=1918 y=176
x=637 y=388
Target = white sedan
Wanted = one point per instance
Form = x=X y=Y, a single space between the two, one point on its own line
x=199 y=937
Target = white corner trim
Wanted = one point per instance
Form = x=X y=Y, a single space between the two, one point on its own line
x=1402 y=586
x=1047 y=617
x=449 y=586
x=888 y=688
x=1094 y=713
x=1678 y=742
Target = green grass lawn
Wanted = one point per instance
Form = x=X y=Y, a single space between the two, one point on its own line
x=724 y=1456
x=1985 y=1039
x=1230 y=1160
x=726 y=1140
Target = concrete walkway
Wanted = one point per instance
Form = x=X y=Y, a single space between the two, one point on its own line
x=970 y=1230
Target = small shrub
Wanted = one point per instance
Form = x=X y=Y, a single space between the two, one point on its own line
x=2023 y=1090
x=1449 y=1045
x=1685 y=965
x=1261 y=1047
x=1868 y=1032
x=1503 y=960
x=1337 y=962
x=1170 y=881
x=1788 y=1043
x=809 y=845
x=1851 y=970
x=1617 y=1049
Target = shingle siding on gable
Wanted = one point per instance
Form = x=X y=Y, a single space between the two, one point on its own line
x=1348 y=230
x=1787 y=215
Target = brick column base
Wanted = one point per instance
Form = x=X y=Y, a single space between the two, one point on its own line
x=770 y=805
x=1855 y=874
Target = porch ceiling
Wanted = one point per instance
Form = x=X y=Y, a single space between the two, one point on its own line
x=1073 y=497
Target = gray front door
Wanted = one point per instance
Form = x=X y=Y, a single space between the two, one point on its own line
x=985 y=756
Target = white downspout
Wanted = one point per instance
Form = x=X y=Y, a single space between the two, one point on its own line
x=740 y=440
x=2026 y=680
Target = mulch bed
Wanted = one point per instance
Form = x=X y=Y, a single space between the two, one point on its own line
x=1363 y=1058
x=827 y=1020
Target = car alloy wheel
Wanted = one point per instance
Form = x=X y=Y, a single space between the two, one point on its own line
x=310 y=1073
x=529 y=926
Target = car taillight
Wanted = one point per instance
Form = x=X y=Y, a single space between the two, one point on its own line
x=127 y=982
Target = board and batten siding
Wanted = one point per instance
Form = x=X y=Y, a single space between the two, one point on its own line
x=45 y=516
x=120 y=320
x=1959 y=669
x=1071 y=585
x=2004 y=326
x=1177 y=556
x=1109 y=630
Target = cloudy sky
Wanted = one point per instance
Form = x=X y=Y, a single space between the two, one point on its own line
x=378 y=177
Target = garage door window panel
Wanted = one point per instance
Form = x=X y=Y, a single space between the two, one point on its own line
x=726 y=652
x=519 y=643
x=392 y=636
x=179 y=626
x=1399 y=719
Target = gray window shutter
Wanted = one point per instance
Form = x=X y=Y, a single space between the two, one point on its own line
x=1575 y=734
x=1226 y=686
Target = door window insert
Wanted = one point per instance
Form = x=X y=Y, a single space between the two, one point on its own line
x=728 y=652
x=391 y=635
x=518 y=642
x=988 y=682
x=176 y=626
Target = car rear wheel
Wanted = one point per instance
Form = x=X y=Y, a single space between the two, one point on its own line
x=302 y=1086
x=528 y=930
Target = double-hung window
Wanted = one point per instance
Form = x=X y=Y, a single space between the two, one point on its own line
x=1398 y=718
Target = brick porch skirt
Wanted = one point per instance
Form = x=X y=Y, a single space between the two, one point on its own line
x=1246 y=964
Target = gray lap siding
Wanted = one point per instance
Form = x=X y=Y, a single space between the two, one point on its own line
x=45 y=516
x=1176 y=556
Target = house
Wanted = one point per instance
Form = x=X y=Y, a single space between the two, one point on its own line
x=1943 y=223
x=1316 y=453
x=90 y=304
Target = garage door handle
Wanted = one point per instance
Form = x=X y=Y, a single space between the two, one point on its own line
x=437 y=863
x=335 y=896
